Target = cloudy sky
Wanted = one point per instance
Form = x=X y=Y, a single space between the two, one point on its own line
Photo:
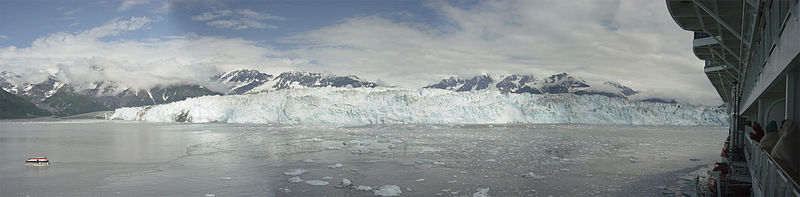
x=405 y=43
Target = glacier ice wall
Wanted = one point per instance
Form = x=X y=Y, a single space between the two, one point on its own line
x=360 y=106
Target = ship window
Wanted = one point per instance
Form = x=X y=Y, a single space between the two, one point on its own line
x=698 y=35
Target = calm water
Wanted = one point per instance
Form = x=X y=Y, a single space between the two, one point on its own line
x=102 y=158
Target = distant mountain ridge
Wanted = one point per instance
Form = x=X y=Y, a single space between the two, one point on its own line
x=65 y=98
x=560 y=83
x=14 y=107
x=244 y=81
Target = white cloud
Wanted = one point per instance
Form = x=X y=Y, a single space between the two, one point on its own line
x=66 y=18
x=128 y=4
x=630 y=41
x=71 y=12
x=212 y=15
x=238 y=19
x=115 y=27
x=247 y=13
x=138 y=63
x=239 y=24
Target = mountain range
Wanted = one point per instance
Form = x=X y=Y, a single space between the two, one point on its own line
x=62 y=98
x=555 y=84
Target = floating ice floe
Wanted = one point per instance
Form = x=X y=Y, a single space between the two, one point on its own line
x=533 y=176
x=346 y=183
x=634 y=159
x=363 y=188
x=351 y=142
x=482 y=192
x=315 y=140
x=327 y=178
x=295 y=179
x=294 y=172
x=317 y=182
x=420 y=180
x=360 y=150
x=424 y=161
x=337 y=165
x=307 y=161
x=491 y=160
x=333 y=148
x=388 y=190
x=225 y=178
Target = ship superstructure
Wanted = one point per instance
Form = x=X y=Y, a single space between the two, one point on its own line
x=750 y=48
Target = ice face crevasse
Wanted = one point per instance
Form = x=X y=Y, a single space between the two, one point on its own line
x=420 y=106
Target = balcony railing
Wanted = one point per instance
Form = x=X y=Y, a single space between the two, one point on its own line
x=768 y=179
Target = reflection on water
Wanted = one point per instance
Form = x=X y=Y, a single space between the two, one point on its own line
x=101 y=158
x=37 y=167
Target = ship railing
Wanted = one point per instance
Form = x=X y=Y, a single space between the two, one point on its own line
x=768 y=178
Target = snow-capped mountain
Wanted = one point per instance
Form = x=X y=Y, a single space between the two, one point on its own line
x=252 y=81
x=563 y=83
x=64 y=98
x=360 y=106
x=242 y=81
x=555 y=84
x=518 y=84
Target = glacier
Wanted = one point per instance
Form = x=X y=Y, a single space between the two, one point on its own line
x=364 y=106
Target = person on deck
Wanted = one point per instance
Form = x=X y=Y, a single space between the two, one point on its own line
x=770 y=137
x=787 y=150
x=759 y=132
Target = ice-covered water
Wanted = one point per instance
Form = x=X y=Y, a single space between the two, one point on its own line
x=118 y=158
x=361 y=106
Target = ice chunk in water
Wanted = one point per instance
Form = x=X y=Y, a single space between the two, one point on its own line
x=347 y=183
x=533 y=176
x=317 y=182
x=363 y=188
x=388 y=190
x=337 y=165
x=327 y=178
x=314 y=140
x=482 y=192
x=360 y=150
x=294 y=172
x=307 y=161
x=295 y=179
